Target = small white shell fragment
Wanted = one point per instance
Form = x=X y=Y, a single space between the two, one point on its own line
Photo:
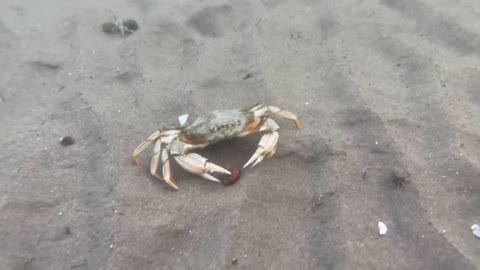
x=476 y=230
x=382 y=228
x=182 y=119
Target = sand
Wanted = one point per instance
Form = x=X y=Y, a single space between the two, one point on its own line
x=387 y=92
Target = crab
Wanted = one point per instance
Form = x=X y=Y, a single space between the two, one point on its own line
x=206 y=130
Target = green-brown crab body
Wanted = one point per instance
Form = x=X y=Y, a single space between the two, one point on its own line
x=210 y=129
x=218 y=126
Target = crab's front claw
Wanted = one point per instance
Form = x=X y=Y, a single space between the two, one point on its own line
x=266 y=148
x=199 y=165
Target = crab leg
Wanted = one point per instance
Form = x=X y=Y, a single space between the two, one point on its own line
x=144 y=146
x=161 y=152
x=167 y=175
x=199 y=165
x=155 y=159
x=286 y=115
x=165 y=136
x=262 y=108
x=266 y=148
x=267 y=145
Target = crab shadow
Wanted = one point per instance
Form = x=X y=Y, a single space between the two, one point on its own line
x=231 y=153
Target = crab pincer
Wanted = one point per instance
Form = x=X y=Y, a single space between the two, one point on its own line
x=199 y=165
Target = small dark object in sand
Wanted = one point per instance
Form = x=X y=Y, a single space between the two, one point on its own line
x=399 y=178
x=130 y=25
x=110 y=28
x=67 y=141
x=124 y=27
x=233 y=178
x=234 y=261
x=247 y=76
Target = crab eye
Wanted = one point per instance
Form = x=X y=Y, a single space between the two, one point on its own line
x=213 y=128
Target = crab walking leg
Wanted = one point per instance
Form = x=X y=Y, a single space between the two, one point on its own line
x=199 y=165
x=286 y=115
x=267 y=145
x=266 y=148
x=155 y=159
x=144 y=146
x=161 y=152
x=167 y=174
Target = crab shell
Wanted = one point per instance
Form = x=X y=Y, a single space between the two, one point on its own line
x=217 y=126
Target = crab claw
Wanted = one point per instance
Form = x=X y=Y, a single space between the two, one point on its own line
x=199 y=165
x=266 y=148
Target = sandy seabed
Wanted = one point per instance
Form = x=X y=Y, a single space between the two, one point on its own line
x=388 y=93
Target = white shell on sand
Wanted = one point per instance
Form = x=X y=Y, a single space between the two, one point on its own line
x=382 y=228
x=476 y=230
x=182 y=119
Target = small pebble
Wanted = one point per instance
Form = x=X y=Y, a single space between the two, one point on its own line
x=110 y=28
x=67 y=141
x=234 y=261
x=247 y=76
x=124 y=27
x=130 y=25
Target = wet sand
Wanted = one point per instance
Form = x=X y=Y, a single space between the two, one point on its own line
x=388 y=93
